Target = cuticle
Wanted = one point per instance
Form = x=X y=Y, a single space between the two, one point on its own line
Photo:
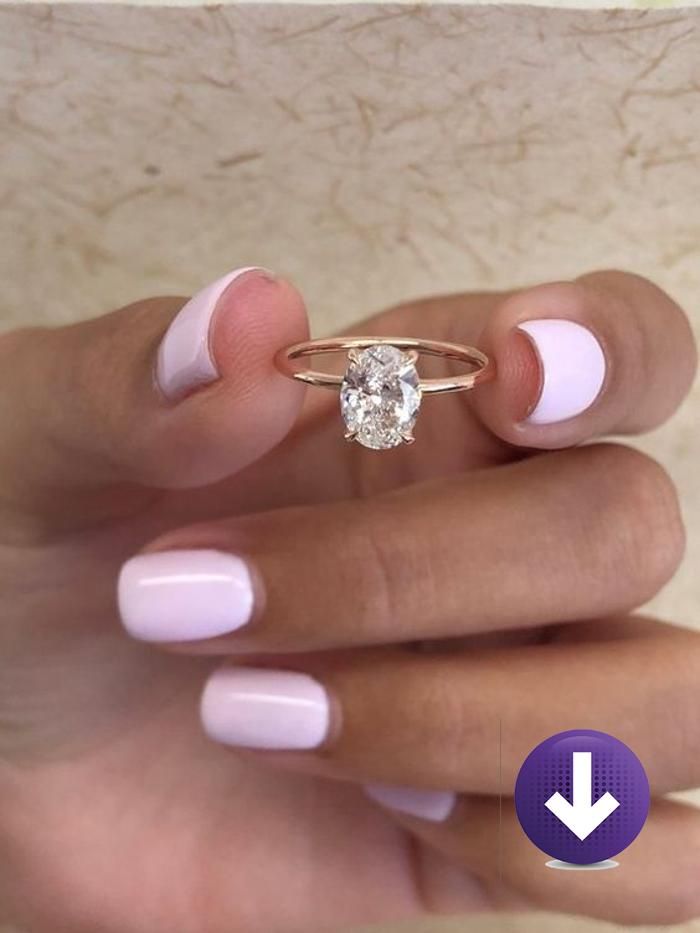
x=335 y=722
x=533 y=404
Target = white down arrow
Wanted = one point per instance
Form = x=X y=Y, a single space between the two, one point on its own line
x=582 y=817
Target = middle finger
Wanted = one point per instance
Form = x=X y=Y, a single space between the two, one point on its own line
x=571 y=535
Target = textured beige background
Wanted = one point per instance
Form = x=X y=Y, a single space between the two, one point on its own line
x=371 y=153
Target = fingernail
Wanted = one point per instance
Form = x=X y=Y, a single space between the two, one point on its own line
x=184 y=595
x=262 y=708
x=433 y=805
x=573 y=369
x=184 y=356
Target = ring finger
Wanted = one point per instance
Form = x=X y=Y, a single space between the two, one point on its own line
x=433 y=720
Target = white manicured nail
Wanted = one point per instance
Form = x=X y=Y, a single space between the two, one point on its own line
x=184 y=595
x=184 y=356
x=573 y=368
x=265 y=708
x=433 y=805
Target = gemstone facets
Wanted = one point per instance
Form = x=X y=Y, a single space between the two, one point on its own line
x=380 y=396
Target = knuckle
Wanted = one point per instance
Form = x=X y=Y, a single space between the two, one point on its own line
x=640 y=510
x=392 y=581
x=381 y=578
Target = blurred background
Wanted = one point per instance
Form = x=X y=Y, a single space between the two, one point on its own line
x=371 y=153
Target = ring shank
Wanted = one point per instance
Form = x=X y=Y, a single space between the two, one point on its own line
x=285 y=358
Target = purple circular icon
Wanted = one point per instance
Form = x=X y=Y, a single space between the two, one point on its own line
x=582 y=796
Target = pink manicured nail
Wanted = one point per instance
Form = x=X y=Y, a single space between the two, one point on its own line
x=263 y=708
x=433 y=805
x=184 y=595
x=184 y=356
x=573 y=368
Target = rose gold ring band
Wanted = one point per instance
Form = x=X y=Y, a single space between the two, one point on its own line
x=482 y=368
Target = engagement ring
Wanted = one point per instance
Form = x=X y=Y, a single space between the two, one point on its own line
x=381 y=391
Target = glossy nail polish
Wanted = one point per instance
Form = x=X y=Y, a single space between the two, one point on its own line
x=184 y=358
x=573 y=368
x=265 y=708
x=171 y=596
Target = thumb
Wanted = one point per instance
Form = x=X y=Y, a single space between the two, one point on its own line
x=610 y=353
x=163 y=393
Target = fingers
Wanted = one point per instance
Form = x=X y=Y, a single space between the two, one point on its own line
x=465 y=721
x=614 y=354
x=157 y=394
x=656 y=881
x=566 y=536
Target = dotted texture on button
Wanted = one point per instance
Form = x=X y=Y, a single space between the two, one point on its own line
x=614 y=768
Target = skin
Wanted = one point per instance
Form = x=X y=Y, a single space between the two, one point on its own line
x=117 y=814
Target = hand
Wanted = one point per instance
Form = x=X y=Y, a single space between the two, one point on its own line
x=418 y=596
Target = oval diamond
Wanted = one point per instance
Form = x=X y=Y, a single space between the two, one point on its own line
x=380 y=396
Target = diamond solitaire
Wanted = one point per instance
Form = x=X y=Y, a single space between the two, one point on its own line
x=380 y=396
x=381 y=391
